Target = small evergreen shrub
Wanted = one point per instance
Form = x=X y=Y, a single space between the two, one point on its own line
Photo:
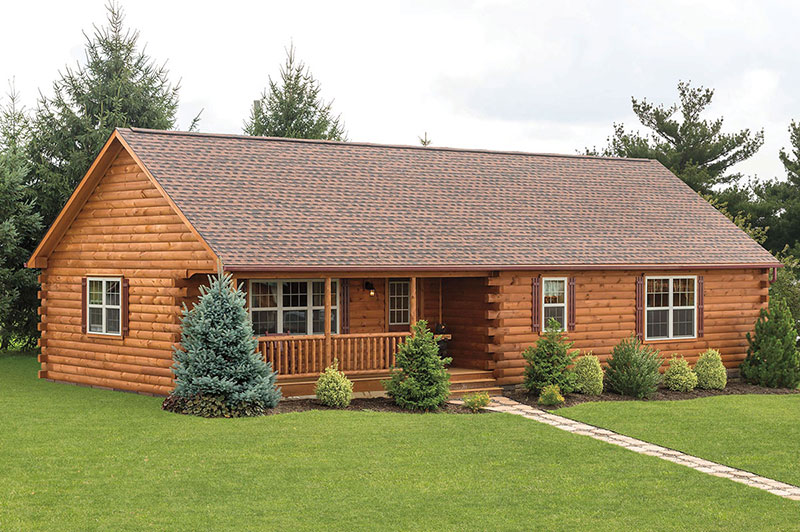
x=588 y=375
x=476 y=401
x=772 y=357
x=710 y=371
x=679 y=377
x=551 y=396
x=218 y=372
x=549 y=360
x=333 y=387
x=633 y=369
x=420 y=380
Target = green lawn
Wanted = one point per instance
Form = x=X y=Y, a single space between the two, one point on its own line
x=74 y=458
x=758 y=433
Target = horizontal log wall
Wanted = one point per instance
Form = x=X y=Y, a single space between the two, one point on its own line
x=605 y=314
x=126 y=228
x=465 y=308
x=367 y=313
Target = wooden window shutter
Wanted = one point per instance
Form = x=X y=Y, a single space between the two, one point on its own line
x=84 y=309
x=640 y=308
x=126 y=285
x=571 y=304
x=344 y=305
x=535 y=305
x=699 y=305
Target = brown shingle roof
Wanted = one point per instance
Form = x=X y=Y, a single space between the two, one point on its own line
x=269 y=202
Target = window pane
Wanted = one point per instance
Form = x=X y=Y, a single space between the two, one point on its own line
x=112 y=292
x=294 y=321
x=112 y=320
x=683 y=322
x=318 y=288
x=95 y=292
x=318 y=296
x=398 y=288
x=657 y=323
x=295 y=294
x=657 y=293
x=319 y=319
x=95 y=319
x=554 y=291
x=683 y=292
x=556 y=313
x=264 y=295
x=265 y=322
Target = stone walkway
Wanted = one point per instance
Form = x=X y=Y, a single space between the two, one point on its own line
x=504 y=404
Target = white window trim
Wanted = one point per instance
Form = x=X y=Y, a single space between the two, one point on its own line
x=552 y=305
x=103 y=306
x=671 y=308
x=407 y=298
x=310 y=308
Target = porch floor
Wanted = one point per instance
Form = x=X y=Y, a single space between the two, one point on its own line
x=462 y=381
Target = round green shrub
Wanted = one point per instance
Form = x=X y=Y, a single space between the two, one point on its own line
x=588 y=375
x=679 y=377
x=551 y=396
x=633 y=369
x=710 y=371
x=333 y=387
x=476 y=401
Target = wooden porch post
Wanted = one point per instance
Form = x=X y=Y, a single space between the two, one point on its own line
x=327 y=322
x=412 y=304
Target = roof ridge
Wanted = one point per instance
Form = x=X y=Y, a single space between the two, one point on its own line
x=378 y=145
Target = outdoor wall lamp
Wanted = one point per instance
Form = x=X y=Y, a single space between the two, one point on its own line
x=370 y=288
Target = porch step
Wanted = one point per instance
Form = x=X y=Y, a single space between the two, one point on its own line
x=462 y=380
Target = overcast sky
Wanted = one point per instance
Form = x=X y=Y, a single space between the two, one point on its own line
x=531 y=76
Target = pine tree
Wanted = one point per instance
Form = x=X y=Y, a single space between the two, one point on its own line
x=421 y=380
x=693 y=148
x=778 y=201
x=118 y=85
x=20 y=225
x=548 y=361
x=293 y=107
x=218 y=372
x=772 y=356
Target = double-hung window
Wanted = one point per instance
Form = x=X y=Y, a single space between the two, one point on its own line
x=554 y=301
x=104 y=305
x=399 y=302
x=671 y=308
x=291 y=306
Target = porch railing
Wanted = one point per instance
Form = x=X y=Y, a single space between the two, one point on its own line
x=307 y=355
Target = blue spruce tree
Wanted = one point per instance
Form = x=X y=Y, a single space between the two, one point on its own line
x=218 y=372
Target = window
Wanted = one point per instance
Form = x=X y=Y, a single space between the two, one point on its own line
x=291 y=306
x=554 y=301
x=399 y=302
x=670 y=310
x=104 y=306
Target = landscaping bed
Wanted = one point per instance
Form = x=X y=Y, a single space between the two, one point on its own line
x=734 y=387
x=374 y=404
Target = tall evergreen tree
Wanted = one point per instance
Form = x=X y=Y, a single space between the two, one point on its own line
x=778 y=201
x=293 y=107
x=692 y=147
x=118 y=85
x=20 y=225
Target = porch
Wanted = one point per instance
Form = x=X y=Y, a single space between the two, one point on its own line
x=361 y=321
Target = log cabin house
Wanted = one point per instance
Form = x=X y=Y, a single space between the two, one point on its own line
x=340 y=246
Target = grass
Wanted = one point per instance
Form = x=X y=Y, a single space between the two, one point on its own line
x=758 y=433
x=75 y=458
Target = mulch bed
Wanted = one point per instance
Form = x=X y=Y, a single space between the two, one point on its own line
x=376 y=404
x=734 y=387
